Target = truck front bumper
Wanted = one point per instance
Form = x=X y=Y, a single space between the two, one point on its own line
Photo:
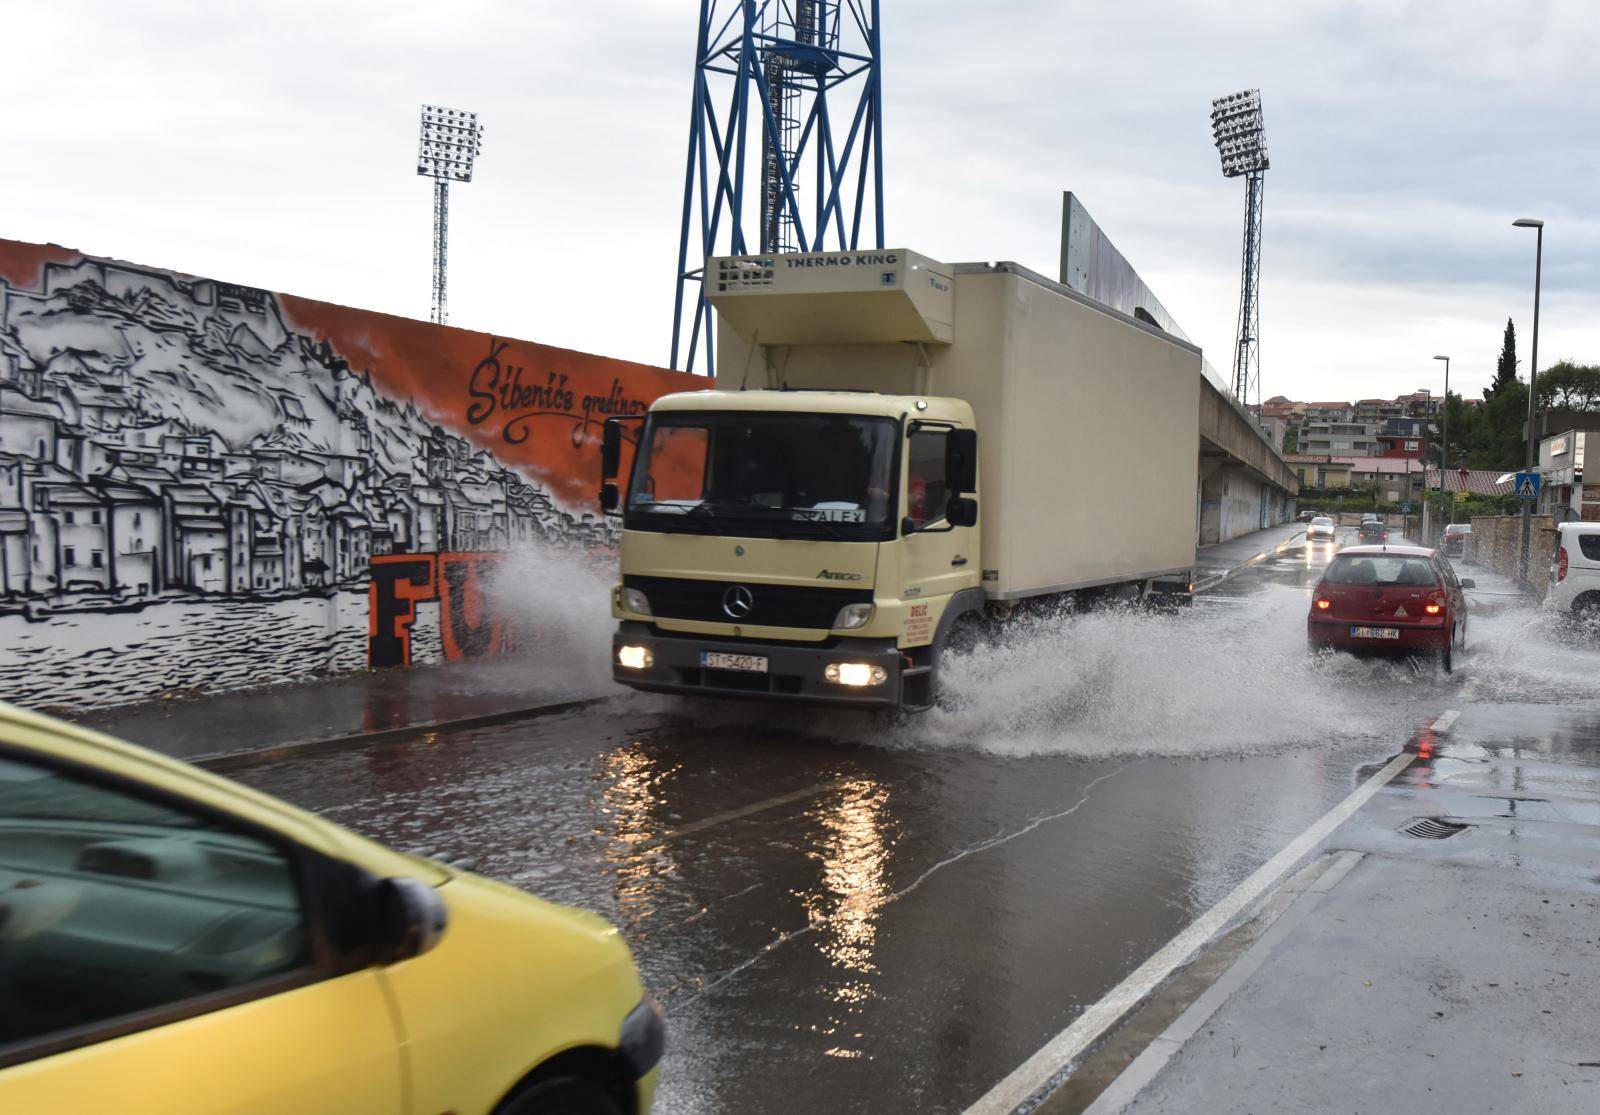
x=794 y=671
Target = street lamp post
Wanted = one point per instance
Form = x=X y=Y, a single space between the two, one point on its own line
x=1533 y=379
x=1444 y=439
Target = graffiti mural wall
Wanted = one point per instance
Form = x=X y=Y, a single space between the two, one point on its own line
x=205 y=485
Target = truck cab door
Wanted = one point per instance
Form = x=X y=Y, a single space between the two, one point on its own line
x=937 y=559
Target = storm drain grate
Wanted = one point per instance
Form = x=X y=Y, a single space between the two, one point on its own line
x=1432 y=828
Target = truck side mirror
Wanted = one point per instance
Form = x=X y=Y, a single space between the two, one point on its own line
x=961 y=511
x=609 y=497
x=961 y=461
x=610 y=449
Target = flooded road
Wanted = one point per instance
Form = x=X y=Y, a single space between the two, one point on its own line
x=845 y=913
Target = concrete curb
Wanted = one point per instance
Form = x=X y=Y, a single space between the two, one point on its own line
x=235 y=760
x=1228 y=575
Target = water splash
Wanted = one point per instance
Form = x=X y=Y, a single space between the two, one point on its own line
x=1532 y=654
x=558 y=605
x=1225 y=677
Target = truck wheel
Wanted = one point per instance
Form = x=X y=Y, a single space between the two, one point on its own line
x=967 y=631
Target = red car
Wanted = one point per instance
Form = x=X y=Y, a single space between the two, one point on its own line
x=1389 y=599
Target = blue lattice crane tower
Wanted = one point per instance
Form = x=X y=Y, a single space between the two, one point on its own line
x=785 y=143
x=1240 y=134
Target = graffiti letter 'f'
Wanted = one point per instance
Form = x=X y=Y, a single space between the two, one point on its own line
x=399 y=583
x=485 y=378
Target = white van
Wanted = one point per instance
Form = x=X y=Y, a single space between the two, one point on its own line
x=1575 y=568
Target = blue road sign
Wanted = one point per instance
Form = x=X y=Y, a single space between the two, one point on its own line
x=1405 y=508
x=1528 y=485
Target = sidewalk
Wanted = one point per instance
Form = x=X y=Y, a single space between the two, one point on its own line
x=1221 y=562
x=1449 y=973
x=1491 y=591
x=370 y=704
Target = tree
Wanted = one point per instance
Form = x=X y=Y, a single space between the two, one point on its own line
x=1499 y=433
x=1505 y=369
x=1569 y=386
x=1291 y=440
x=1464 y=432
x=1493 y=435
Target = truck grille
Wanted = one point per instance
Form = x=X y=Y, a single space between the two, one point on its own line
x=770 y=605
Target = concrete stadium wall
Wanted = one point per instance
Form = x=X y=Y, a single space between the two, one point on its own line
x=205 y=485
x=1234 y=501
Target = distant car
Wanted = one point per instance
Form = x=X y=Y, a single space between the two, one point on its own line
x=1373 y=531
x=1575 y=570
x=174 y=941
x=1369 y=517
x=1454 y=542
x=1307 y=516
x=1321 y=527
x=1389 y=599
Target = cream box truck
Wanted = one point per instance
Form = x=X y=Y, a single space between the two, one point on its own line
x=895 y=446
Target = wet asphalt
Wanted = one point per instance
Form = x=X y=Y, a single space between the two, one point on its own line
x=854 y=913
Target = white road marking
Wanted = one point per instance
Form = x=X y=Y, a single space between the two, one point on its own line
x=1443 y=723
x=1061 y=1050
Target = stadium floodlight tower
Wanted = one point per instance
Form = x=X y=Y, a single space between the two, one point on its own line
x=1241 y=140
x=447 y=148
x=777 y=71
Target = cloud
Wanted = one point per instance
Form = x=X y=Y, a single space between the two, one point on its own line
x=275 y=150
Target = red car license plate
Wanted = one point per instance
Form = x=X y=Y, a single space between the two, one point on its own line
x=1374 y=632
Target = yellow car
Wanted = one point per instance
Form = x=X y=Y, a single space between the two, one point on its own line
x=172 y=942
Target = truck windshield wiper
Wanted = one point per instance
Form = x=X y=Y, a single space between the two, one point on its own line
x=704 y=510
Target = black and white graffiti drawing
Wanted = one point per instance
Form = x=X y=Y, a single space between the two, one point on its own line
x=162 y=437
x=191 y=491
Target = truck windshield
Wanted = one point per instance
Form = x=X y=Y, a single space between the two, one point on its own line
x=764 y=475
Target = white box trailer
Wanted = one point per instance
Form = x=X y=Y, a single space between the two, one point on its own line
x=754 y=566
x=1089 y=441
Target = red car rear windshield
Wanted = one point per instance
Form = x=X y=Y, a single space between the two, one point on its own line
x=1380 y=570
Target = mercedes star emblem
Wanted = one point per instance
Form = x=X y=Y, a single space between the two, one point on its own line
x=738 y=601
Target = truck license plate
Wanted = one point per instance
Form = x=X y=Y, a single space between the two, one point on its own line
x=1374 y=632
x=749 y=663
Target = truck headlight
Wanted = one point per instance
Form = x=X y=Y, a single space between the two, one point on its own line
x=632 y=600
x=852 y=616
x=635 y=658
x=855 y=673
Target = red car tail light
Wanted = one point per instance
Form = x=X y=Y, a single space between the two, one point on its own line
x=1434 y=606
x=1323 y=603
x=1561 y=564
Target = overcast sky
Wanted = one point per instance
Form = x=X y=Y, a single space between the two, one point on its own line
x=273 y=145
